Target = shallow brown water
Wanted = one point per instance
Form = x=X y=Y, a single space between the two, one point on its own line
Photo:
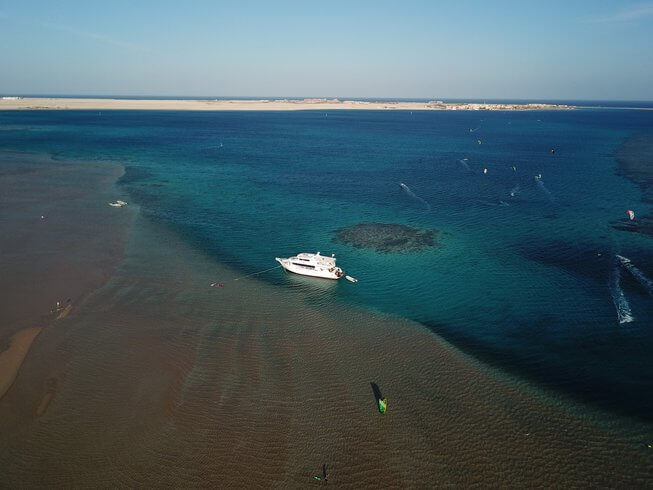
x=158 y=380
x=58 y=236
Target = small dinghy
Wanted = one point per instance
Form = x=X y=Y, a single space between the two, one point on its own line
x=351 y=279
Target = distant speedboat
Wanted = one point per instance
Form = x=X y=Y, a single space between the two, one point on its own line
x=315 y=265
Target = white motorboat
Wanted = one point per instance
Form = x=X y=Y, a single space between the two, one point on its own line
x=314 y=265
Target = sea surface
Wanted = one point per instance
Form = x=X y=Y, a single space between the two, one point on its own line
x=525 y=275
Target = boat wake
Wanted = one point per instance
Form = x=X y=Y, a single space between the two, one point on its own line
x=540 y=184
x=637 y=274
x=465 y=165
x=412 y=195
x=624 y=313
x=498 y=203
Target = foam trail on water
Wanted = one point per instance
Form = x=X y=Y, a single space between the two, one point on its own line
x=624 y=314
x=540 y=184
x=637 y=274
x=485 y=202
x=412 y=195
x=464 y=164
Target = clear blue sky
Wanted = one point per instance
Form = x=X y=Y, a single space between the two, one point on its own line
x=571 y=49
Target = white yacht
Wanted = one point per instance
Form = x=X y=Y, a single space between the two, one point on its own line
x=315 y=265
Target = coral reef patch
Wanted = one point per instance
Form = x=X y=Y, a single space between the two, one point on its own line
x=387 y=237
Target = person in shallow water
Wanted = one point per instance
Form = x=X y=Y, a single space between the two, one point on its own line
x=324 y=474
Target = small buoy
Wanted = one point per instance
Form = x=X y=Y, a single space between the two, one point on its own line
x=485 y=170
x=42 y=217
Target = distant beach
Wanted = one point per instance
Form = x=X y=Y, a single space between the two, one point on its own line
x=317 y=104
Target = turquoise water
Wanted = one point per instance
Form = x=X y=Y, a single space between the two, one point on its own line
x=527 y=282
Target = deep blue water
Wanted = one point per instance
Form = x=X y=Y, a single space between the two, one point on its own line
x=526 y=281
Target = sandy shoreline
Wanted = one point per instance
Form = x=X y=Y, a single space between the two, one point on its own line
x=37 y=103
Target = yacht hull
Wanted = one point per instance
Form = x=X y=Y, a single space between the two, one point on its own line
x=321 y=272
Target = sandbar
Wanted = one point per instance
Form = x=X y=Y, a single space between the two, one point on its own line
x=63 y=103
x=12 y=358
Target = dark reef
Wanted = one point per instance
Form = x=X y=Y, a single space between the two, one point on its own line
x=387 y=238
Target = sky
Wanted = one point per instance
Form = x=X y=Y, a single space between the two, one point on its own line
x=439 y=49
